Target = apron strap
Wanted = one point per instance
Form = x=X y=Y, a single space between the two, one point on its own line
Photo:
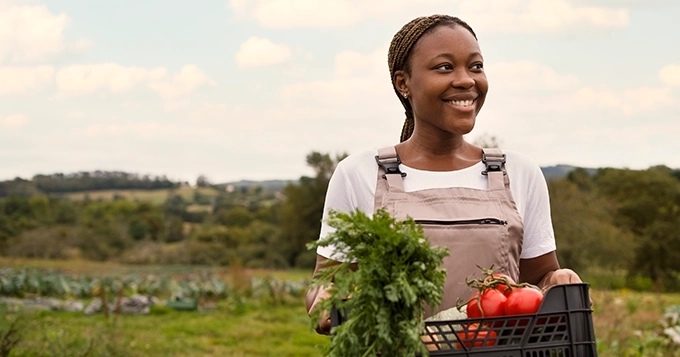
x=494 y=160
x=388 y=168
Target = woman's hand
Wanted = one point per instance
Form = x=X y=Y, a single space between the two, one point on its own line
x=560 y=276
x=324 y=325
x=317 y=294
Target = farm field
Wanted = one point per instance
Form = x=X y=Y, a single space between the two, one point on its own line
x=154 y=196
x=626 y=322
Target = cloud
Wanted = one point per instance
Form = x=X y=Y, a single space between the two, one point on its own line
x=23 y=79
x=496 y=15
x=627 y=101
x=80 y=79
x=511 y=83
x=115 y=78
x=145 y=129
x=13 y=121
x=261 y=52
x=298 y=13
x=670 y=74
x=539 y=15
x=528 y=76
x=75 y=116
x=31 y=33
x=184 y=83
x=357 y=77
x=355 y=64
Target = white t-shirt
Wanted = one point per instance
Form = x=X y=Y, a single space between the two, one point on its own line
x=353 y=184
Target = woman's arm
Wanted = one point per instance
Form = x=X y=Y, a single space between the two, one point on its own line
x=545 y=271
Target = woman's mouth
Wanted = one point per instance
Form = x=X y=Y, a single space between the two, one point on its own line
x=462 y=106
x=461 y=103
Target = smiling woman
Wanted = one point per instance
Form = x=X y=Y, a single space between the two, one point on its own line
x=438 y=62
x=488 y=207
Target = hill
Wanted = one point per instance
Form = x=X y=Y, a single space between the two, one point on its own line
x=560 y=171
x=270 y=185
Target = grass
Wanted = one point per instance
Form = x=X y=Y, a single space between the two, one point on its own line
x=626 y=322
x=259 y=331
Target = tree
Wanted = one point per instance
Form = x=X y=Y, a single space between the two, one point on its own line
x=301 y=211
x=202 y=181
x=648 y=203
x=175 y=229
x=585 y=232
x=238 y=216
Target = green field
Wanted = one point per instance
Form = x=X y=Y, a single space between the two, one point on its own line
x=626 y=322
x=257 y=331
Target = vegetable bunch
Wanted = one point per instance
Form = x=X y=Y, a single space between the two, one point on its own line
x=398 y=273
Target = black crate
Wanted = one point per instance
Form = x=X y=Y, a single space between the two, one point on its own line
x=562 y=327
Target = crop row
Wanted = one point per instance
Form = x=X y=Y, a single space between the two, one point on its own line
x=38 y=282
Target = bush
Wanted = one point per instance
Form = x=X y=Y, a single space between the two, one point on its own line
x=44 y=243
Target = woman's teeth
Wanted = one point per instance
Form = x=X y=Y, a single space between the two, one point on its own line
x=461 y=103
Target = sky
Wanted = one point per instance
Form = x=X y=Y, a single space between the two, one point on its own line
x=245 y=89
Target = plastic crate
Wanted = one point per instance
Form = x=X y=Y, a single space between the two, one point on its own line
x=562 y=327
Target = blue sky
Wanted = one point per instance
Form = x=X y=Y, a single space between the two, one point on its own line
x=244 y=89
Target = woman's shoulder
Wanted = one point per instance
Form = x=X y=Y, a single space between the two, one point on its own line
x=519 y=160
x=521 y=166
x=360 y=165
x=359 y=158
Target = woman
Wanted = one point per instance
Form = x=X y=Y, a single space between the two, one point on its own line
x=488 y=207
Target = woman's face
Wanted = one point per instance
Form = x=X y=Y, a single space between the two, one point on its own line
x=447 y=85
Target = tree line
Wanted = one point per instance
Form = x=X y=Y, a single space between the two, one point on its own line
x=84 y=181
x=618 y=223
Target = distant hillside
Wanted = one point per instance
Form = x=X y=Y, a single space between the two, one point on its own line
x=560 y=171
x=273 y=185
x=60 y=183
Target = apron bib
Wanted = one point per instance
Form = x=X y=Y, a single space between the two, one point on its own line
x=479 y=227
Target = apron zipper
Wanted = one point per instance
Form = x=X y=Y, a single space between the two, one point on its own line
x=461 y=222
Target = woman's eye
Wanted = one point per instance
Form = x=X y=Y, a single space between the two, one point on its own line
x=445 y=67
x=478 y=66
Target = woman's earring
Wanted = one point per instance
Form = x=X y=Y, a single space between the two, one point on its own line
x=405 y=95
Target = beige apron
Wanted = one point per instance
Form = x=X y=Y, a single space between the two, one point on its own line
x=479 y=227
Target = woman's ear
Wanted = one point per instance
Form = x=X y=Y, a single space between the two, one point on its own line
x=401 y=80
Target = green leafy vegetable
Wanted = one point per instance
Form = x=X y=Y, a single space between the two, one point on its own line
x=398 y=273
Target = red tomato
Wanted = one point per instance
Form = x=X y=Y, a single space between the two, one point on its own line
x=474 y=336
x=523 y=301
x=500 y=286
x=491 y=302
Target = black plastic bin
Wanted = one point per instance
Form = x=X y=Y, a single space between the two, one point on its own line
x=562 y=327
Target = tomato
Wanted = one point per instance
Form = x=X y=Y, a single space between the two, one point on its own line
x=523 y=301
x=492 y=304
x=502 y=287
x=474 y=336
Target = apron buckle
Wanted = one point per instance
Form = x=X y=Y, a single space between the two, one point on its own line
x=390 y=167
x=493 y=163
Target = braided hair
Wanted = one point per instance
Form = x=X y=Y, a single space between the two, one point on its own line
x=401 y=50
